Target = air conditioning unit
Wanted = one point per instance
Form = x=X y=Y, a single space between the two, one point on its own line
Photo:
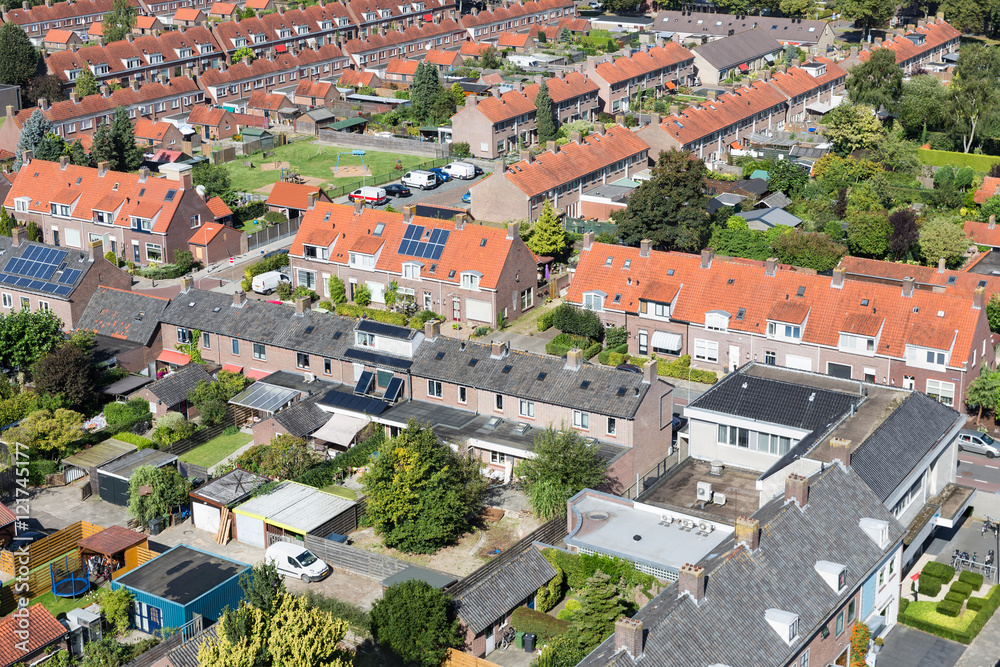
x=705 y=492
x=310 y=377
x=706 y=527
x=719 y=498
x=667 y=519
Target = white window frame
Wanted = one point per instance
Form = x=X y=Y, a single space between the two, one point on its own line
x=581 y=420
x=259 y=352
x=706 y=350
x=8 y=300
x=435 y=389
x=157 y=248
x=939 y=389
x=526 y=409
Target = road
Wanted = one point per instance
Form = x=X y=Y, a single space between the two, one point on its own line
x=979 y=472
x=446 y=194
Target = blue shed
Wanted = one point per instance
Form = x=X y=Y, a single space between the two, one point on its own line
x=179 y=583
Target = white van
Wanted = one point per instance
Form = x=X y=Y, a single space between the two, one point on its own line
x=462 y=170
x=425 y=180
x=266 y=283
x=373 y=196
x=296 y=561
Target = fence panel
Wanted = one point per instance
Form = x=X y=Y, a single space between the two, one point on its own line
x=204 y=435
x=190 y=470
x=351 y=559
x=273 y=233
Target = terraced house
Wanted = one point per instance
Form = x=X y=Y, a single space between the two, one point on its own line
x=466 y=272
x=659 y=68
x=163 y=9
x=810 y=87
x=370 y=16
x=375 y=51
x=75 y=15
x=512 y=16
x=916 y=48
x=240 y=80
x=318 y=25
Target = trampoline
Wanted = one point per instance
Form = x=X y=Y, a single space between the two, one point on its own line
x=68 y=582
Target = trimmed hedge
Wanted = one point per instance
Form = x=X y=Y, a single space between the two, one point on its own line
x=592 y=351
x=954 y=597
x=949 y=608
x=984 y=607
x=904 y=603
x=544 y=321
x=546 y=627
x=386 y=316
x=565 y=342
x=605 y=356
x=133 y=439
x=962 y=588
x=680 y=368
x=940 y=571
x=974 y=579
x=929 y=585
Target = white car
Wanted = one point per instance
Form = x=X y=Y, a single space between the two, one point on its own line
x=296 y=561
x=462 y=170
x=266 y=283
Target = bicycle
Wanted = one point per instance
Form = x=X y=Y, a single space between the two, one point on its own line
x=507 y=638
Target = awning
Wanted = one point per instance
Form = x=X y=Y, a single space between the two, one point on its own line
x=736 y=146
x=664 y=340
x=428 y=17
x=281 y=48
x=174 y=358
x=340 y=430
x=768 y=57
x=743 y=67
x=232 y=368
x=256 y=374
x=671 y=85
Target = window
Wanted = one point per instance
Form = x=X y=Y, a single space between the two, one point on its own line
x=643 y=342
x=581 y=419
x=327 y=366
x=909 y=382
x=236 y=347
x=470 y=281
x=840 y=623
x=25 y=303
x=8 y=300
x=857 y=343
x=498 y=401
x=661 y=310
x=736 y=437
x=805 y=658
x=307 y=279
x=944 y=392
x=593 y=302
x=206 y=340
x=104 y=218
x=935 y=357
x=498 y=457
x=434 y=388
x=43 y=305
x=411 y=271
x=154 y=252
x=21 y=204
x=59 y=209
x=526 y=409
x=259 y=352
x=852 y=609
x=706 y=350
x=183 y=335
x=770 y=358
x=612 y=426
x=365 y=339
x=195 y=221
x=527 y=299
x=302 y=360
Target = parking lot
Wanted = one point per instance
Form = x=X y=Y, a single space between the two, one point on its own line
x=445 y=194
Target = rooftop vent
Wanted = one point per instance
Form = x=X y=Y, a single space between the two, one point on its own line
x=190 y=304
x=598 y=516
x=216 y=309
x=493 y=422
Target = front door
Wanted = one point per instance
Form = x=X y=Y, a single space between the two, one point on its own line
x=490 y=640
x=734 y=357
x=456 y=309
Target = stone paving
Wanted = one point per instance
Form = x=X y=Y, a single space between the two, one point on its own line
x=906 y=647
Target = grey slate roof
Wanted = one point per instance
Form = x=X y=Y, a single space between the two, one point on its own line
x=776 y=402
x=776 y=200
x=174 y=388
x=729 y=627
x=742 y=47
x=233 y=487
x=782 y=29
x=186 y=655
x=123 y=315
x=302 y=418
x=492 y=598
x=763 y=219
x=900 y=442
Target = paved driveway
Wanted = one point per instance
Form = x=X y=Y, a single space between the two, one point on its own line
x=906 y=647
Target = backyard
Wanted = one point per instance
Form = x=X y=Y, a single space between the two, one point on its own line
x=316 y=164
x=216 y=449
x=981 y=163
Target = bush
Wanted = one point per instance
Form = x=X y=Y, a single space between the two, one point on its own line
x=605 y=356
x=274 y=218
x=974 y=579
x=616 y=337
x=565 y=342
x=482 y=331
x=230 y=430
x=569 y=319
x=16 y=408
x=133 y=439
x=949 y=608
x=962 y=588
x=328 y=472
x=247 y=212
x=355 y=311
x=362 y=296
x=544 y=321
x=546 y=627
x=592 y=351
x=423 y=317
x=940 y=571
x=39 y=468
x=353 y=614
x=123 y=413
x=954 y=597
x=461 y=149
x=272 y=263
x=111 y=257
x=681 y=368
x=929 y=585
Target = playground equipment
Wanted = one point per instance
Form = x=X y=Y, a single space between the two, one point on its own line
x=354 y=153
x=67 y=581
x=289 y=174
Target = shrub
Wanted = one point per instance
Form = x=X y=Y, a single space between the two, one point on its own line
x=123 y=413
x=247 y=212
x=133 y=439
x=423 y=317
x=544 y=321
x=327 y=473
x=929 y=585
x=618 y=358
x=954 y=597
x=681 y=368
x=16 y=408
x=940 y=571
x=572 y=320
x=565 y=342
x=362 y=296
x=351 y=613
x=616 y=337
x=974 y=579
x=39 y=468
x=592 y=351
x=962 y=588
x=949 y=608
x=111 y=257
x=353 y=310
x=230 y=430
x=482 y=331
x=338 y=291
x=461 y=149
x=605 y=356
x=546 y=627
x=274 y=218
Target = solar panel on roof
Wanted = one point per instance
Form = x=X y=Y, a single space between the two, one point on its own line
x=378 y=359
x=412 y=244
x=383 y=329
x=365 y=404
x=393 y=390
x=364 y=383
x=62 y=290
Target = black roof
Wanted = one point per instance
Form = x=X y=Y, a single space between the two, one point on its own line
x=182 y=574
x=480 y=604
x=41 y=269
x=302 y=418
x=384 y=329
x=123 y=315
x=174 y=388
x=378 y=358
x=364 y=404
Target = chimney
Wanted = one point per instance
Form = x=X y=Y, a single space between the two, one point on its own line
x=460 y=221
x=840 y=450
x=574 y=359
x=526 y=156
x=63 y=162
x=575 y=137
x=94 y=249
x=600 y=129
x=838 y=278
x=10 y=111
x=628 y=636
x=706 y=258
x=105 y=90
x=187 y=282
x=646 y=245
x=513 y=230
x=185 y=179
x=432 y=329
x=771 y=266
x=312 y=197
x=747 y=532
x=498 y=350
x=797 y=490
x=143 y=174
x=302 y=305
x=552 y=146
x=878 y=42
x=16 y=234
x=588 y=240
x=74 y=98
x=654 y=119
x=43 y=103
x=239 y=298
x=649 y=372
x=942 y=265
x=992 y=223
x=854 y=52
x=691 y=582
x=908 y=283
x=979 y=298
x=408 y=212
x=359 y=206
x=102 y=168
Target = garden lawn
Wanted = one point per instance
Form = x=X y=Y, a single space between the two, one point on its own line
x=216 y=449
x=340 y=491
x=981 y=163
x=316 y=161
x=59 y=606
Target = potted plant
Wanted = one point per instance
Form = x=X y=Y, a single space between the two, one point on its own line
x=878 y=643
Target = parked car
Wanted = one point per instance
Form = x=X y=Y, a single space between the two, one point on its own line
x=467 y=197
x=678 y=422
x=373 y=196
x=424 y=180
x=266 y=283
x=442 y=175
x=397 y=190
x=630 y=368
x=281 y=251
x=978 y=443
x=462 y=170
x=296 y=561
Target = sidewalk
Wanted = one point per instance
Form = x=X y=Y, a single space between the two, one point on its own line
x=984 y=651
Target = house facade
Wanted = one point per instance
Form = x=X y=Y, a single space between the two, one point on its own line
x=493 y=22
x=930 y=42
x=742 y=53
x=370 y=16
x=77 y=15
x=228 y=84
x=376 y=50
x=318 y=25
x=660 y=68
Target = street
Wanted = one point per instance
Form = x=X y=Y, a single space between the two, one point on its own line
x=979 y=472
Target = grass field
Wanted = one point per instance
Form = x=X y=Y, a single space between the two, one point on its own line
x=980 y=163
x=216 y=449
x=59 y=606
x=314 y=161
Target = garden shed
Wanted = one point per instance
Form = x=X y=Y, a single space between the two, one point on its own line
x=88 y=461
x=127 y=548
x=296 y=510
x=229 y=490
x=171 y=588
x=113 y=478
x=261 y=400
x=169 y=394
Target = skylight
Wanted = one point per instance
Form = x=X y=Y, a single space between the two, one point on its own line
x=170 y=195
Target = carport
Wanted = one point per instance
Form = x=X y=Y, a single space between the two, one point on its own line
x=113 y=479
x=341 y=430
x=261 y=400
x=89 y=460
x=121 y=389
x=117 y=544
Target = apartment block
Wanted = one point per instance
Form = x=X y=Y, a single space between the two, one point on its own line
x=686 y=25
x=660 y=68
x=376 y=50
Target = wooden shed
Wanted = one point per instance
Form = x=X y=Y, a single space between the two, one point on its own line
x=88 y=461
x=127 y=548
x=295 y=510
x=113 y=479
x=229 y=490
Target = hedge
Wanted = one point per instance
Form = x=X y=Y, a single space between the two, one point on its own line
x=272 y=263
x=954 y=597
x=386 y=316
x=974 y=579
x=565 y=342
x=604 y=357
x=929 y=585
x=962 y=588
x=133 y=439
x=546 y=627
x=544 y=321
x=984 y=608
x=572 y=320
x=940 y=571
x=949 y=608
x=681 y=368
x=592 y=351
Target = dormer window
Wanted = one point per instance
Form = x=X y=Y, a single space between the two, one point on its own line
x=779 y=330
x=386 y=13
x=259 y=39
x=301 y=29
x=877 y=531
x=342 y=22
x=204 y=48
x=855 y=343
x=315 y=252
x=411 y=271
x=59 y=209
x=156 y=58
x=240 y=41
x=834 y=574
x=371 y=16
x=594 y=301
x=21 y=204
x=286 y=32
x=104 y=218
x=470 y=280
x=785 y=623
x=718 y=321
x=186 y=52
x=935 y=357
x=133 y=63
x=359 y=261
x=365 y=339
x=144 y=224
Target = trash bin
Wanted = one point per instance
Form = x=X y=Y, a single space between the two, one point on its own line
x=519 y=639
x=529 y=642
x=155 y=526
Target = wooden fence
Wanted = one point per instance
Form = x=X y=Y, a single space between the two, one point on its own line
x=49 y=548
x=352 y=559
x=201 y=436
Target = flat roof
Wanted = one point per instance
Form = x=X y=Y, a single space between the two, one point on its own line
x=678 y=489
x=232 y=487
x=126 y=385
x=622 y=529
x=182 y=575
x=295 y=507
x=98 y=455
x=415 y=572
x=124 y=468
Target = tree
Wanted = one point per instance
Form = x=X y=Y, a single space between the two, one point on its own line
x=923 y=105
x=263 y=587
x=35 y=129
x=166 y=490
x=850 y=127
x=565 y=36
x=211 y=398
x=989 y=208
x=941 y=238
x=243 y=52
x=564 y=464
x=420 y=493
x=993 y=312
x=44 y=85
x=868 y=14
x=6 y=222
x=600 y=608
x=48 y=430
x=26 y=337
x=338 y=291
x=490 y=59
x=116 y=607
x=362 y=295
x=814 y=250
x=904 y=234
x=285 y=457
x=416 y=622
x=877 y=82
x=894 y=153
x=547 y=126
x=868 y=233
x=86 y=84
x=34 y=232
x=974 y=94
x=119 y=22
x=669 y=208
x=102 y=148
x=620 y=6
x=425 y=91
x=548 y=237
x=66 y=370
x=796 y=7
x=215 y=178
x=983 y=392
x=129 y=155
x=788 y=177
x=50 y=148
x=542 y=38
x=19 y=59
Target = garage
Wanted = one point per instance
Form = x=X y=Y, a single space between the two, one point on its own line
x=480 y=311
x=88 y=461
x=113 y=478
x=228 y=491
x=799 y=363
x=838 y=370
x=295 y=510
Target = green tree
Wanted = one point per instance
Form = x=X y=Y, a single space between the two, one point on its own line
x=941 y=238
x=48 y=430
x=119 y=22
x=490 y=59
x=362 y=295
x=547 y=126
x=868 y=234
x=852 y=126
x=564 y=464
x=867 y=14
x=34 y=232
x=285 y=457
x=923 y=105
x=35 y=129
x=338 y=291
x=426 y=91
x=813 y=250
x=167 y=489
x=975 y=98
x=6 y=222
x=983 y=393
x=19 y=59
x=788 y=177
x=416 y=622
x=211 y=398
x=796 y=7
x=420 y=493
x=215 y=178
x=129 y=154
x=78 y=154
x=67 y=370
x=243 y=52
x=548 y=237
x=241 y=640
x=263 y=587
x=895 y=153
x=990 y=207
x=993 y=312
x=600 y=607
x=50 y=148
x=457 y=94
x=116 y=607
x=25 y=337
x=669 y=208
x=565 y=36
x=86 y=84
x=877 y=82
x=44 y=85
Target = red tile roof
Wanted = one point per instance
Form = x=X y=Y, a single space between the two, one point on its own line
x=441 y=57
x=516 y=103
x=218 y=208
x=61 y=10
x=291 y=195
x=643 y=62
x=97 y=105
x=223 y=9
x=473 y=48
x=283 y=62
x=6 y=516
x=989 y=188
x=513 y=11
x=44 y=630
x=515 y=40
x=112 y=540
x=392 y=38
x=96 y=29
x=257 y=4
x=729 y=109
x=206 y=233
x=268 y=102
x=59 y=36
x=187 y=14
x=147 y=129
x=209 y=116
x=353 y=77
x=465 y=249
x=982 y=233
x=313 y=88
x=146 y=22
x=944 y=280
x=797 y=81
x=400 y=66
x=936 y=33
